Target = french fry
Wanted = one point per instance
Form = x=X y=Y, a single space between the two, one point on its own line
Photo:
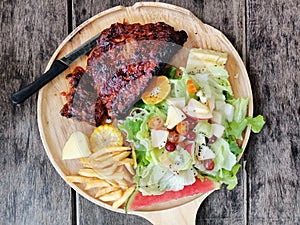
x=101 y=164
x=106 y=150
x=106 y=190
x=123 y=184
x=117 y=148
x=133 y=156
x=127 y=161
x=98 y=153
x=81 y=179
x=129 y=169
x=112 y=196
x=96 y=184
x=124 y=197
x=87 y=172
x=104 y=157
x=91 y=163
x=121 y=156
x=110 y=171
x=84 y=161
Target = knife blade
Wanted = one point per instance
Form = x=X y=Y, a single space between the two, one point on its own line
x=57 y=67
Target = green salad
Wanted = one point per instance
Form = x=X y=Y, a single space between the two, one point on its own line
x=192 y=131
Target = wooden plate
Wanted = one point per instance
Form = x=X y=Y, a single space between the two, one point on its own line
x=55 y=129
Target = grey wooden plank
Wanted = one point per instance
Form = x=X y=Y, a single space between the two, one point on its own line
x=90 y=214
x=223 y=207
x=31 y=190
x=273 y=61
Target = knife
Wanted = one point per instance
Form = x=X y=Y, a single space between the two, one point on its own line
x=57 y=67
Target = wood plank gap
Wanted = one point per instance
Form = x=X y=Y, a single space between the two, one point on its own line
x=77 y=209
x=245 y=173
x=70 y=15
x=245 y=180
x=74 y=207
x=244 y=22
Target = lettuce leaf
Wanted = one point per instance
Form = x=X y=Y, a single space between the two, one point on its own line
x=240 y=108
x=229 y=177
x=180 y=160
x=137 y=131
x=178 y=87
x=236 y=129
x=204 y=127
x=224 y=159
x=156 y=179
x=256 y=123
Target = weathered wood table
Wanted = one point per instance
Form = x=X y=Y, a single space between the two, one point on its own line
x=266 y=35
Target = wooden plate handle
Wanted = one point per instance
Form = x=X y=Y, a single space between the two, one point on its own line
x=181 y=215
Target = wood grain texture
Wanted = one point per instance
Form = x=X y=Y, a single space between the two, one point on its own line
x=230 y=21
x=274 y=161
x=55 y=129
x=31 y=191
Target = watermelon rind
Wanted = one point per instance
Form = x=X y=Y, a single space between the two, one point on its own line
x=200 y=186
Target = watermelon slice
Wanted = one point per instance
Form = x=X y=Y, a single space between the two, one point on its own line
x=138 y=201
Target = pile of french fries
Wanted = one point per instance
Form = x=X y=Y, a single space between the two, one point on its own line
x=110 y=171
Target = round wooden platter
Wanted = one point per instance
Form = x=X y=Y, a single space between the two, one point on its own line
x=55 y=129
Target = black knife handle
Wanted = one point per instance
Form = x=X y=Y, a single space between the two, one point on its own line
x=56 y=68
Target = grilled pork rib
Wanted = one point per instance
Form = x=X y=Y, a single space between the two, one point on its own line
x=119 y=69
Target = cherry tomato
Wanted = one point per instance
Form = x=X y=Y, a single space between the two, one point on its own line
x=170 y=147
x=191 y=88
x=155 y=122
x=209 y=164
x=183 y=127
x=173 y=137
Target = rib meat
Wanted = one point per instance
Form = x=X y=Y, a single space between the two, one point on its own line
x=119 y=69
